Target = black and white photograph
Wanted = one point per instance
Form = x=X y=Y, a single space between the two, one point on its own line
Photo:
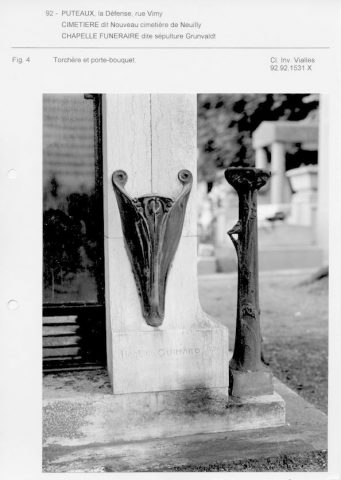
x=185 y=282
x=170 y=239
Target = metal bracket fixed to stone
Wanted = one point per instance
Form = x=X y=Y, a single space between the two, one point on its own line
x=248 y=374
x=152 y=227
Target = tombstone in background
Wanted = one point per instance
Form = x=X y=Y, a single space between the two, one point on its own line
x=225 y=209
x=152 y=139
x=218 y=210
x=276 y=135
x=303 y=180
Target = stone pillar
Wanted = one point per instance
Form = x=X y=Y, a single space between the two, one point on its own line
x=278 y=179
x=248 y=375
x=261 y=158
x=152 y=138
x=277 y=135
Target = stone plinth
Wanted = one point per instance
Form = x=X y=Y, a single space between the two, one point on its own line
x=71 y=446
x=169 y=359
x=79 y=410
x=152 y=138
x=142 y=416
x=275 y=135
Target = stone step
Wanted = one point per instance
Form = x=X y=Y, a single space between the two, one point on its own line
x=80 y=411
x=72 y=428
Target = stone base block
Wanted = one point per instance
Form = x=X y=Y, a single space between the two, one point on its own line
x=305 y=431
x=82 y=420
x=246 y=384
x=162 y=360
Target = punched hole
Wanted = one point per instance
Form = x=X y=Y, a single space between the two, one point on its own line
x=12 y=174
x=12 y=304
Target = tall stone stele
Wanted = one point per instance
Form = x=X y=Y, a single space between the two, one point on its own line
x=248 y=374
x=158 y=337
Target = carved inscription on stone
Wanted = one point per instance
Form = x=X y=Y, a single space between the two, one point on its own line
x=153 y=361
x=160 y=353
x=164 y=353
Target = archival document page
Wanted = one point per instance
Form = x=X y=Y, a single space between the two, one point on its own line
x=264 y=77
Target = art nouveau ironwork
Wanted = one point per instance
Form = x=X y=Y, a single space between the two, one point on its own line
x=247 y=350
x=152 y=227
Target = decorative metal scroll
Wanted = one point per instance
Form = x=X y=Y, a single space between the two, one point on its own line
x=152 y=227
x=247 y=349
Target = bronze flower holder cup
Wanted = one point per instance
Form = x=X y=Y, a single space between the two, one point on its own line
x=152 y=227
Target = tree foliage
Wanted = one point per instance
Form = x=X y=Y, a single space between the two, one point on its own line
x=226 y=123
